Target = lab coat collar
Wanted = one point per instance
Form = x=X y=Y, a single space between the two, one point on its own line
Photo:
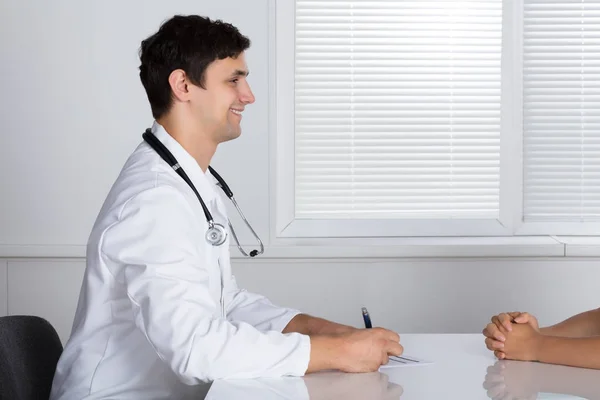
x=204 y=182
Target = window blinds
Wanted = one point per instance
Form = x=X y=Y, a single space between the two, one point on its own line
x=561 y=110
x=397 y=109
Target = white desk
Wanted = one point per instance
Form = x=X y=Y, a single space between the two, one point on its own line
x=463 y=369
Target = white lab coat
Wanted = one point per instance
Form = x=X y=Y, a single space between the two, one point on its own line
x=159 y=308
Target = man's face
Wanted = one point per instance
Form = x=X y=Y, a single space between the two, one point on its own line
x=219 y=107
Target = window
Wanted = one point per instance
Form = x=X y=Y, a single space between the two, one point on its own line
x=409 y=118
x=561 y=98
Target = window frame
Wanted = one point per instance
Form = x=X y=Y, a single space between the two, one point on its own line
x=284 y=224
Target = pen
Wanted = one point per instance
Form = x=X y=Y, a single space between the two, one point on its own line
x=366 y=318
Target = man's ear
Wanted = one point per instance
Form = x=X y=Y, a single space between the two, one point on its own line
x=179 y=85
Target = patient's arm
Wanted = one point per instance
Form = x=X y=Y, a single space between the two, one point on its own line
x=575 y=352
x=581 y=325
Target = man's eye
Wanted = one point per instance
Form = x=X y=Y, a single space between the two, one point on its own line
x=234 y=80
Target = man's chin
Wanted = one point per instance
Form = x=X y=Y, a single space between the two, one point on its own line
x=230 y=135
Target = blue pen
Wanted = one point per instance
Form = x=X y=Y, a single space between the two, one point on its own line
x=366 y=318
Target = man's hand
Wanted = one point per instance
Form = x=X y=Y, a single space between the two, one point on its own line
x=521 y=343
x=501 y=324
x=358 y=350
x=368 y=349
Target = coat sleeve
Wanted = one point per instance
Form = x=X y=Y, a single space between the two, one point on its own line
x=153 y=251
x=252 y=308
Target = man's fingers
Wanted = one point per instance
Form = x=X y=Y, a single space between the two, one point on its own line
x=500 y=355
x=385 y=359
x=393 y=336
x=492 y=331
x=386 y=334
x=394 y=348
x=493 y=345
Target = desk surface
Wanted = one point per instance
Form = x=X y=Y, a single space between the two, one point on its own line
x=463 y=369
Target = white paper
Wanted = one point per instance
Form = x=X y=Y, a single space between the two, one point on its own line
x=405 y=361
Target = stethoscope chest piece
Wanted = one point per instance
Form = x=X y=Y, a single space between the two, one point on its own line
x=216 y=234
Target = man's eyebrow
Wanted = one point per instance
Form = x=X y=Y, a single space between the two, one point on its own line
x=239 y=72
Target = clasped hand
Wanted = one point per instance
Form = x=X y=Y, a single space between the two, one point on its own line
x=513 y=336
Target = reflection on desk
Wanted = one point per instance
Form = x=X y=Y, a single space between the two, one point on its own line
x=463 y=369
x=512 y=380
x=319 y=386
x=338 y=385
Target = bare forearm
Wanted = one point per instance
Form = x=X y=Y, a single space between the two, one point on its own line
x=323 y=354
x=581 y=325
x=309 y=325
x=575 y=352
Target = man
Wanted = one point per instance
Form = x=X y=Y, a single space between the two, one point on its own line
x=159 y=308
x=574 y=342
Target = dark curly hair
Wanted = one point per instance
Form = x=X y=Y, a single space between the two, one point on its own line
x=189 y=43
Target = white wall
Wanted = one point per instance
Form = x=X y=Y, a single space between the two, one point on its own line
x=72 y=109
x=410 y=296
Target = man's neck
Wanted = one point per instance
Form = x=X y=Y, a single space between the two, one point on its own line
x=192 y=138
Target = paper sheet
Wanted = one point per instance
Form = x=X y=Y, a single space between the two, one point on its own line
x=405 y=361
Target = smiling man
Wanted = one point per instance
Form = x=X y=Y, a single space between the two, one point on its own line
x=159 y=309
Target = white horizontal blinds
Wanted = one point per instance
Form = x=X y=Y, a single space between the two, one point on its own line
x=562 y=110
x=397 y=109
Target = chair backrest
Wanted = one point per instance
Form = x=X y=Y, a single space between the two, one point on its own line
x=29 y=351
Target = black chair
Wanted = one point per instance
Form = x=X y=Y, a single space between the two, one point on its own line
x=29 y=352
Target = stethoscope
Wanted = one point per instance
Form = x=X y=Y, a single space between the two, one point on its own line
x=216 y=233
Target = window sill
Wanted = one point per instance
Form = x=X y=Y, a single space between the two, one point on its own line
x=581 y=246
x=437 y=247
x=373 y=248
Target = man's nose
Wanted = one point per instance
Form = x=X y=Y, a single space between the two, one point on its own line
x=246 y=96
